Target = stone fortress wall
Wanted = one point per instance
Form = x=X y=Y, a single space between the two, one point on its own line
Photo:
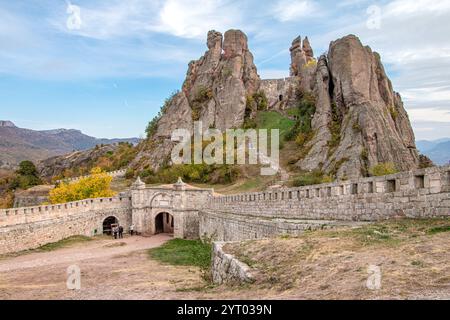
x=197 y=212
x=279 y=91
x=114 y=174
x=423 y=193
x=32 y=227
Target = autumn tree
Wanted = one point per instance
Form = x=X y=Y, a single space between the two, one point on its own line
x=97 y=185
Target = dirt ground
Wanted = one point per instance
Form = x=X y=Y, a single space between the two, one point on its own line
x=110 y=269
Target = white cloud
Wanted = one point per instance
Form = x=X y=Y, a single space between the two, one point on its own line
x=420 y=7
x=429 y=115
x=288 y=10
x=105 y=21
x=193 y=18
x=181 y=18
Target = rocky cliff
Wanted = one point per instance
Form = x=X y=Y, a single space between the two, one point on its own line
x=357 y=119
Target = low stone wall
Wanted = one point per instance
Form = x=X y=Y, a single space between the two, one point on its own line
x=226 y=268
x=32 y=227
x=224 y=226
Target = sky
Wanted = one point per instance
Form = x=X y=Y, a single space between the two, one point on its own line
x=106 y=67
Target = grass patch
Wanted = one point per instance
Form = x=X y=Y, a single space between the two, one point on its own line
x=274 y=120
x=439 y=229
x=64 y=243
x=181 y=252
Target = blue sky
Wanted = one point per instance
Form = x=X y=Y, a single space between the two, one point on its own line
x=105 y=67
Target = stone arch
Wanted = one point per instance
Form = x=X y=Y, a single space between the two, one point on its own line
x=164 y=222
x=106 y=223
x=154 y=199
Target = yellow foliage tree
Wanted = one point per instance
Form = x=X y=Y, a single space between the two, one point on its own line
x=97 y=185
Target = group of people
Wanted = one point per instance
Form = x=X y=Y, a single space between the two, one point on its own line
x=117 y=231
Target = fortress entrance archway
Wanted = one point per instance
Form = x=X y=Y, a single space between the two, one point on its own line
x=107 y=224
x=164 y=223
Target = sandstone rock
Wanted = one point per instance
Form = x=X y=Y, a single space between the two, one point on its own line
x=373 y=125
x=306 y=47
x=303 y=63
x=214 y=92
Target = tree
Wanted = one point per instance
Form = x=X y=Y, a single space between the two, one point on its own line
x=97 y=185
x=26 y=176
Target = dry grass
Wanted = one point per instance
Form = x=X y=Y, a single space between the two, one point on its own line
x=412 y=254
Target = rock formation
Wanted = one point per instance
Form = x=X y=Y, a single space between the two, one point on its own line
x=356 y=103
x=359 y=121
x=214 y=92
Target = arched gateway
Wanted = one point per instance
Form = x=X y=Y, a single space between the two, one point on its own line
x=168 y=208
x=164 y=223
x=107 y=229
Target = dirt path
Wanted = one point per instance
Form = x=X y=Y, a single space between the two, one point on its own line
x=96 y=249
x=110 y=269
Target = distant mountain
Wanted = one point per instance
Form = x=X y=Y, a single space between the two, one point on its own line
x=437 y=150
x=17 y=144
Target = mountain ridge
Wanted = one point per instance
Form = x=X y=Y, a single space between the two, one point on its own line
x=17 y=144
x=437 y=150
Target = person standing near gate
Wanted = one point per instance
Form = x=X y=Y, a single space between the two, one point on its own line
x=115 y=230
x=131 y=229
x=120 y=232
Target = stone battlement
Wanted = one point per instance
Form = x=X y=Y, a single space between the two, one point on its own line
x=23 y=215
x=114 y=174
x=423 y=193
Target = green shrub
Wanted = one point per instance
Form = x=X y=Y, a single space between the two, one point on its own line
x=394 y=113
x=200 y=173
x=356 y=127
x=152 y=126
x=26 y=177
x=260 y=100
x=129 y=174
x=364 y=154
x=335 y=129
x=383 y=169
x=310 y=178
x=305 y=111
x=424 y=161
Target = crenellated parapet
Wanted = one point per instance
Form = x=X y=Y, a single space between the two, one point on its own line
x=24 y=215
x=422 y=193
x=114 y=174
